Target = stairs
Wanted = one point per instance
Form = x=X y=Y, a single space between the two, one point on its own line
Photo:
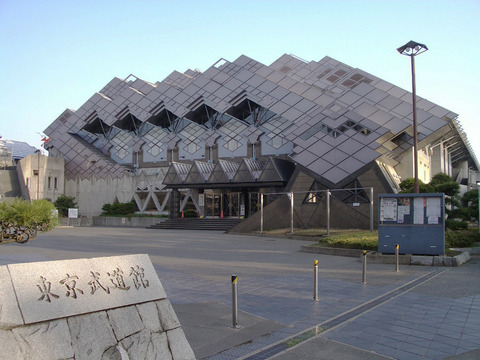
x=216 y=224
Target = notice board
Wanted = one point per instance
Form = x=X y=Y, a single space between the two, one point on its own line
x=416 y=222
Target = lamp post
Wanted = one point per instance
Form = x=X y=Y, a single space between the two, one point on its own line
x=413 y=49
x=478 y=187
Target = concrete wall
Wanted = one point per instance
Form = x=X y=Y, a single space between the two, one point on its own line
x=43 y=176
x=91 y=194
x=9 y=184
x=426 y=166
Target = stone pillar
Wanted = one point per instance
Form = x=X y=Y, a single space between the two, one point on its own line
x=201 y=203
x=174 y=204
x=436 y=164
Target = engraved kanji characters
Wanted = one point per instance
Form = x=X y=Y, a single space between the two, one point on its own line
x=95 y=283
x=138 y=277
x=45 y=288
x=107 y=281
x=116 y=278
x=70 y=283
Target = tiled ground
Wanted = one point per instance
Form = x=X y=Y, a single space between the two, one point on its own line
x=409 y=326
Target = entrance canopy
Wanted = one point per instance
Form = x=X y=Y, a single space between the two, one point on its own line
x=247 y=173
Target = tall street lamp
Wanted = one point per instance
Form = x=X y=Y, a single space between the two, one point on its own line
x=478 y=187
x=412 y=49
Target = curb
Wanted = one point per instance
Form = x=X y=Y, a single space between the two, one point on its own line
x=379 y=258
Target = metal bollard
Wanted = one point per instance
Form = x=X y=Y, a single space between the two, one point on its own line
x=234 y=301
x=364 y=272
x=315 y=280
x=397 y=255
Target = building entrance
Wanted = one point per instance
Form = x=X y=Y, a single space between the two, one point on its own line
x=233 y=205
x=218 y=204
x=213 y=204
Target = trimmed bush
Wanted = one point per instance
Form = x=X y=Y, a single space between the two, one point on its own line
x=455 y=224
x=191 y=213
x=461 y=238
x=63 y=203
x=20 y=220
x=119 y=209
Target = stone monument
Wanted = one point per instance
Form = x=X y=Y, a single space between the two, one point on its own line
x=110 y=308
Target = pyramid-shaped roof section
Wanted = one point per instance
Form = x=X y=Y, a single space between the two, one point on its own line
x=223 y=172
x=200 y=172
x=277 y=170
x=177 y=173
x=249 y=171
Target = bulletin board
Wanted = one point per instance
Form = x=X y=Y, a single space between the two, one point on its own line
x=416 y=222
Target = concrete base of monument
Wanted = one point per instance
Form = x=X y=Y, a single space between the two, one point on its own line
x=208 y=327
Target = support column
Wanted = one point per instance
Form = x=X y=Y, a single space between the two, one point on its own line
x=174 y=204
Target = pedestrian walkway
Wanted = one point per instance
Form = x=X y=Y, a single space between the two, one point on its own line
x=388 y=320
x=420 y=313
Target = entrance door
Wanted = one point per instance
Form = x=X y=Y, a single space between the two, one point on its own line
x=233 y=205
x=213 y=204
x=253 y=202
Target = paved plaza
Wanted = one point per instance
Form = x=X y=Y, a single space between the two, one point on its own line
x=417 y=313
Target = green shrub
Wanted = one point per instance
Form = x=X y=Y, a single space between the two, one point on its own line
x=63 y=203
x=461 y=238
x=20 y=220
x=107 y=208
x=455 y=225
x=119 y=209
x=191 y=213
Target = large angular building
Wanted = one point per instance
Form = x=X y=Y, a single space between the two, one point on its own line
x=214 y=141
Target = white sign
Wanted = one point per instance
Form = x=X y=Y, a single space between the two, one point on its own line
x=388 y=209
x=242 y=210
x=201 y=200
x=72 y=213
x=418 y=210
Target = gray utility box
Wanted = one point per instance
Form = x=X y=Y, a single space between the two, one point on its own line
x=416 y=222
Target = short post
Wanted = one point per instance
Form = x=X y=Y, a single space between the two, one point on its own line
x=328 y=212
x=261 y=213
x=292 y=203
x=364 y=272
x=397 y=255
x=371 y=209
x=315 y=280
x=234 y=301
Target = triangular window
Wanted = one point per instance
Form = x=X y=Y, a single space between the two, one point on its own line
x=315 y=194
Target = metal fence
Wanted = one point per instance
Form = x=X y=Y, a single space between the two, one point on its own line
x=367 y=197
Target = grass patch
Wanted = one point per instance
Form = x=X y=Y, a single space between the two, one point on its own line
x=452 y=253
x=362 y=240
x=366 y=240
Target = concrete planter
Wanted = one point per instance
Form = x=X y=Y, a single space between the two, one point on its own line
x=81 y=221
x=378 y=258
x=332 y=251
x=126 y=222
x=111 y=221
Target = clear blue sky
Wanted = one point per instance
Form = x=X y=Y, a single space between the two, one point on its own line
x=55 y=54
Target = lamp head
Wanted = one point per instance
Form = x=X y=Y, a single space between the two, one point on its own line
x=412 y=48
